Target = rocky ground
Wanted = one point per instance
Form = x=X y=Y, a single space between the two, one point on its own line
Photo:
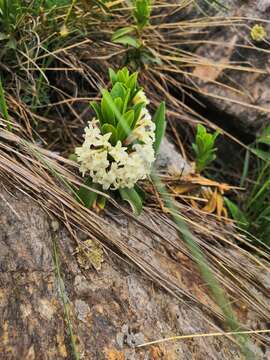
x=112 y=307
x=245 y=98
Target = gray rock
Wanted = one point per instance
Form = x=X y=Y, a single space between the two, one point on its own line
x=263 y=5
x=82 y=309
x=115 y=308
x=245 y=98
x=170 y=160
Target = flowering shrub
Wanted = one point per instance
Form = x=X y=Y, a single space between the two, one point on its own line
x=121 y=142
x=130 y=161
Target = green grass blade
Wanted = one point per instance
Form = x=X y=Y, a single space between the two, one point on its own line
x=3 y=107
x=237 y=214
x=159 y=120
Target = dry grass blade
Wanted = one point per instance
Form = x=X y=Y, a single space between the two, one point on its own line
x=33 y=170
x=192 y=336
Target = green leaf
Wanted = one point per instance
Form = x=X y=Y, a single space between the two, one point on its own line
x=266 y=131
x=126 y=100
x=214 y=137
x=96 y=107
x=132 y=83
x=119 y=104
x=124 y=131
x=121 y=32
x=101 y=202
x=73 y=157
x=201 y=130
x=112 y=75
x=236 y=213
x=118 y=90
x=120 y=118
x=123 y=75
x=3 y=104
x=107 y=112
x=88 y=197
x=195 y=148
x=204 y=147
x=159 y=120
x=149 y=56
x=201 y=145
x=108 y=128
x=137 y=112
x=3 y=36
x=245 y=170
x=264 y=140
x=140 y=192
x=128 y=40
x=12 y=44
x=264 y=155
x=142 y=12
x=133 y=198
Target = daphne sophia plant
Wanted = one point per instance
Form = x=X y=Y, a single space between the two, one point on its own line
x=121 y=142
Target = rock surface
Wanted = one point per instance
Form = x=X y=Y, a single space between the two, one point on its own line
x=170 y=160
x=112 y=310
x=46 y=290
x=245 y=98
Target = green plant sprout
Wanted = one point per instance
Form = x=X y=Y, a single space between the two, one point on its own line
x=121 y=142
x=132 y=36
x=254 y=214
x=142 y=13
x=204 y=148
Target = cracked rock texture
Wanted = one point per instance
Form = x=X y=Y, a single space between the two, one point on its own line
x=249 y=108
x=112 y=310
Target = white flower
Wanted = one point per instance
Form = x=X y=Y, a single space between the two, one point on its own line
x=99 y=160
x=119 y=166
x=105 y=178
x=140 y=134
x=119 y=153
x=93 y=137
x=145 y=114
x=140 y=97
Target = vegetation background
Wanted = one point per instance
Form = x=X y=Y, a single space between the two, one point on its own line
x=205 y=233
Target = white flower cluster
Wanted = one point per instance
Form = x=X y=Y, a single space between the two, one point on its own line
x=119 y=166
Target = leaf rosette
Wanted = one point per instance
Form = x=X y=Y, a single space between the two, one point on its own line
x=122 y=140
